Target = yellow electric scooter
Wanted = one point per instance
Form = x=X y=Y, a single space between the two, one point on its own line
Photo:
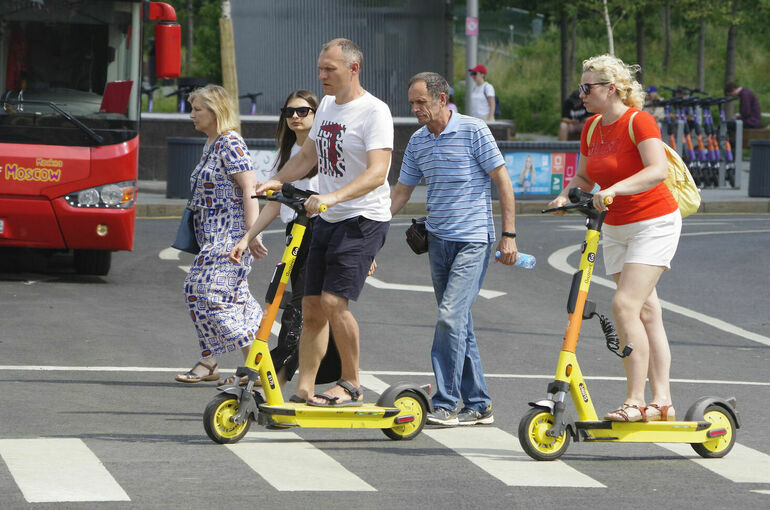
x=400 y=412
x=710 y=424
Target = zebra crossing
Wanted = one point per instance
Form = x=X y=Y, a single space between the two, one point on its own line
x=66 y=469
x=50 y=470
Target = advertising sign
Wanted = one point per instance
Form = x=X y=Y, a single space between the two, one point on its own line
x=540 y=173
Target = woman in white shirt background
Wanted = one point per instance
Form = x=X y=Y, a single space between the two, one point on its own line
x=482 y=94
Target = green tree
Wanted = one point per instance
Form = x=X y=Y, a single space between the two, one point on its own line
x=207 y=59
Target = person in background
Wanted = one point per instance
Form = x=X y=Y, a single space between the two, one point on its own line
x=482 y=95
x=641 y=229
x=352 y=141
x=750 y=113
x=573 y=116
x=650 y=107
x=225 y=314
x=451 y=101
x=297 y=117
x=460 y=239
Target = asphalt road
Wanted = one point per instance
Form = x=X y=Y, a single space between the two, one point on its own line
x=86 y=385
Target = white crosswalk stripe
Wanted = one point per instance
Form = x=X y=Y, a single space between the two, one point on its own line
x=741 y=465
x=51 y=470
x=288 y=463
x=499 y=454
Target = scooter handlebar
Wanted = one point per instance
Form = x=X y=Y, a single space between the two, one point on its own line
x=293 y=197
x=580 y=200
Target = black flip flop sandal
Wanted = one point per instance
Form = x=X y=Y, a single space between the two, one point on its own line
x=355 y=397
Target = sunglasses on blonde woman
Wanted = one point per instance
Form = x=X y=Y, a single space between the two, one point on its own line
x=585 y=88
x=302 y=111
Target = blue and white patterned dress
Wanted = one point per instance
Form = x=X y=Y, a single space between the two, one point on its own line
x=225 y=314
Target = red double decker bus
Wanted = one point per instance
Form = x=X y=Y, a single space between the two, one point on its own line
x=69 y=121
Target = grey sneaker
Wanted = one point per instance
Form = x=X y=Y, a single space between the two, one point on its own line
x=472 y=417
x=443 y=417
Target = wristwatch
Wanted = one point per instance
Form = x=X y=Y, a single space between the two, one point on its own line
x=509 y=234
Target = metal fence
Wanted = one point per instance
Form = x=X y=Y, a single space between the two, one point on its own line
x=277 y=44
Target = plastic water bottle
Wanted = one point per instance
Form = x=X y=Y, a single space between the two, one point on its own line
x=524 y=260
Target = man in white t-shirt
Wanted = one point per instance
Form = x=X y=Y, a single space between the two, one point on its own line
x=482 y=95
x=352 y=137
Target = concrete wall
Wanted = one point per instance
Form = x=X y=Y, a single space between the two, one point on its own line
x=157 y=127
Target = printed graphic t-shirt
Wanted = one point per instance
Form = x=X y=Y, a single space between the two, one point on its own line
x=343 y=134
x=612 y=157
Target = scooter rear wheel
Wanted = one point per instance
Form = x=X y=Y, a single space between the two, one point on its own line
x=216 y=420
x=721 y=445
x=533 y=439
x=409 y=403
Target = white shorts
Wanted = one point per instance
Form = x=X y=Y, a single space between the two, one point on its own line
x=652 y=242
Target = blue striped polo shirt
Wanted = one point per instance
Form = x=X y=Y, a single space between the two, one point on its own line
x=456 y=167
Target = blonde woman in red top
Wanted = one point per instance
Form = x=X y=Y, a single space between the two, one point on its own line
x=641 y=229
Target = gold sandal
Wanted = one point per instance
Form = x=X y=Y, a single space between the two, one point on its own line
x=191 y=377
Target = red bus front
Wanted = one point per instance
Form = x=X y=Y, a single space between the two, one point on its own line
x=69 y=124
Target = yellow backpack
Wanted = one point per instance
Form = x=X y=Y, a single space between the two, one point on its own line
x=679 y=181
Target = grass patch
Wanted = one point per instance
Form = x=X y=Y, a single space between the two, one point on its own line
x=528 y=83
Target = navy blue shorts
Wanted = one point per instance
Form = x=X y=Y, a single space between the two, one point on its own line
x=341 y=254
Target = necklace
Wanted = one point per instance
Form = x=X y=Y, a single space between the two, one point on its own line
x=609 y=127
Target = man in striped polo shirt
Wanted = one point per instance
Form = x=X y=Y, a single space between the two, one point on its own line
x=457 y=156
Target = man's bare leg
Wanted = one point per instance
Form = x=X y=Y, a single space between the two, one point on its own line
x=313 y=342
x=346 y=336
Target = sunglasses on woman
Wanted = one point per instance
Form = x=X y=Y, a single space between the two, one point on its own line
x=302 y=111
x=585 y=88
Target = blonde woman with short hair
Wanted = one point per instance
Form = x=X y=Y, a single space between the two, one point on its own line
x=641 y=229
x=225 y=314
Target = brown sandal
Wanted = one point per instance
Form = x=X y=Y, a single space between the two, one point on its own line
x=657 y=412
x=191 y=377
x=230 y=381
x=622 y=414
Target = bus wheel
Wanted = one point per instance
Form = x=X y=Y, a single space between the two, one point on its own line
x=96 y=262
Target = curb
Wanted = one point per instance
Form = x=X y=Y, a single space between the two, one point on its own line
x=522 y=207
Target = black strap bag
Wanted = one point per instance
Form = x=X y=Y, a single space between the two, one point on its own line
x=417 y=235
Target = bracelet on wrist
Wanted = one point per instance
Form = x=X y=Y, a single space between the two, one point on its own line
x=509 y=234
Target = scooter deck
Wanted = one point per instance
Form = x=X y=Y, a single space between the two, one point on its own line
x=304 y=415
x=646 y=432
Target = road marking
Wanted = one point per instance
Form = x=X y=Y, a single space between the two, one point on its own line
x=741 y=465
x=558 y=260
x=373 y=383
x=499 y=454
x=379 y=284
x=762 y=491
x=51 y=368
x=289 y=463
x=715 y=232
x=169 y=254
x=49 y=470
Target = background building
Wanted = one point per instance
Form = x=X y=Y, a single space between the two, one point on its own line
x=277 y=45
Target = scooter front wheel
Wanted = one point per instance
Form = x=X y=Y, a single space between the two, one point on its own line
x=721 y=445
x=410 y=404
x=217 y=423
x=533 y=439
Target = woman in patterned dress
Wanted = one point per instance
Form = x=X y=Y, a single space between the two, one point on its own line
x=225 y=314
